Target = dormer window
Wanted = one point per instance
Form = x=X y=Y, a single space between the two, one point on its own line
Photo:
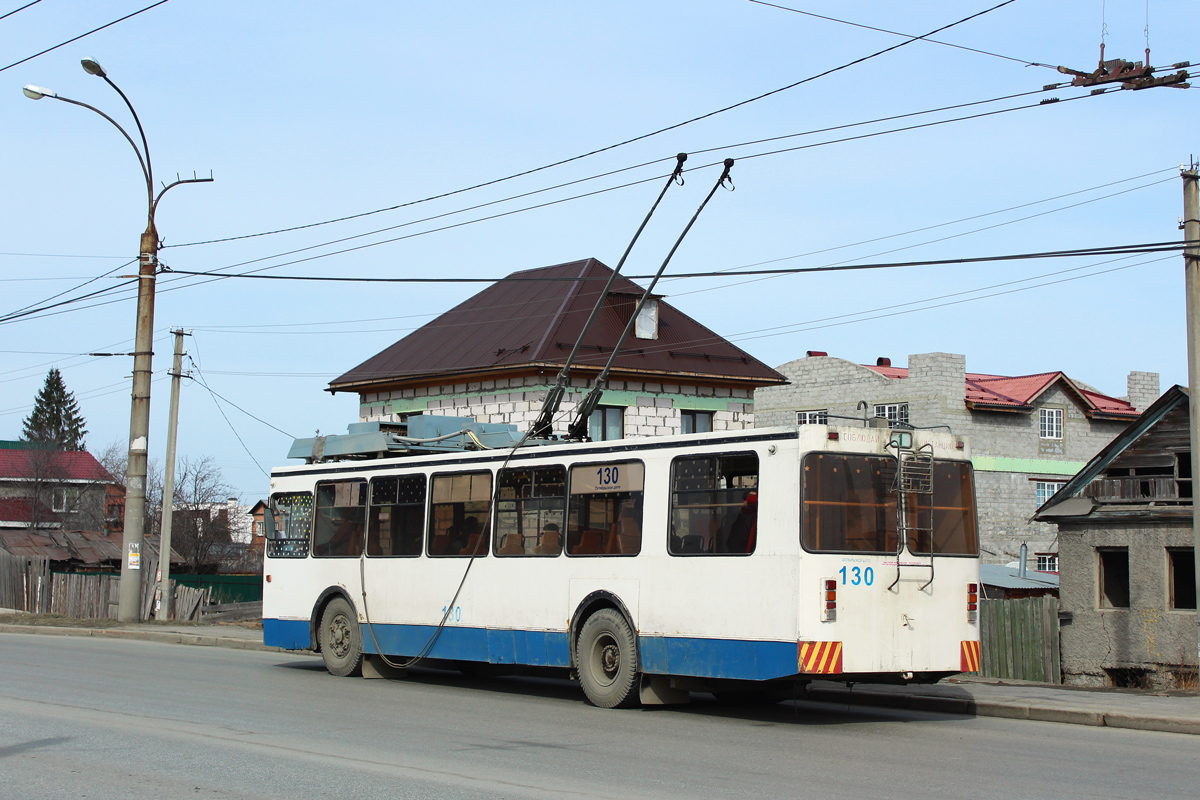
x=646 y=326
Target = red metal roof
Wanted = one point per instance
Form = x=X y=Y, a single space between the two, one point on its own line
x=19 y=511
x=87 y=547
x=520 y=323
x=63 y=465
x=1020 y=391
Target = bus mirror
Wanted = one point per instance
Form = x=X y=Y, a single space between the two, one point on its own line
x=901 y=440
x=269 y=529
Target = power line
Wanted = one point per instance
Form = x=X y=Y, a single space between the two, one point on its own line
x=236 y=435
x=1150 y=247
x=25 y=312
x=906 y=35
x=17 y=313
x=22 y=8
x=608 y=147
x=82 y=35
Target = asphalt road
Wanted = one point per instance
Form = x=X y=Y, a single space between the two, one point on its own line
x=100 y=718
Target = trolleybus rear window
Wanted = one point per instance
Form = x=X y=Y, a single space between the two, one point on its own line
x=714 y=504
x=459 y=513
x=848 y=505
x=529 y=511
x=293 y=520
x=396 y=524
x=605 y=509
x=341 y=519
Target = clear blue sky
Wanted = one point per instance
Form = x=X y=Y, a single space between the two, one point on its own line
x=305 y=112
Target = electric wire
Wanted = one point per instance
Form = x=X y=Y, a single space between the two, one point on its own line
x=12 y=314
x=611 y=146
x=906 y=35
x=82 y=35
x=22 y=8
x=199 y=378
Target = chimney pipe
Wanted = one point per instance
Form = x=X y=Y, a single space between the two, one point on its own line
x=1024 y=556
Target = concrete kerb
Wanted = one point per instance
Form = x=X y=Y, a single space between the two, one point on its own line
x=165 y=637
x=915 y=701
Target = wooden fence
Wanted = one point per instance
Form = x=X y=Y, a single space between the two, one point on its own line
x=26 y=584
x=1020 y=639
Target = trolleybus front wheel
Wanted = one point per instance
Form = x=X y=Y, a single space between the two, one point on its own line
x=340 y=639
x=606 y=657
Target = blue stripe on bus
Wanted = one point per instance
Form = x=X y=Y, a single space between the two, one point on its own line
x=290 y=634
x=717 y=658
x=663 y=655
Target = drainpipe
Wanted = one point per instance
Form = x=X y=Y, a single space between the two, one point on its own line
x=1024 y=557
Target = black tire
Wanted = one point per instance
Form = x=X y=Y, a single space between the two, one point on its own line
x=340 y=639
x=606 y=658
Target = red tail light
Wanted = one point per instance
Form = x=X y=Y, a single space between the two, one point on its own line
x=828 y=600
x=972 y=602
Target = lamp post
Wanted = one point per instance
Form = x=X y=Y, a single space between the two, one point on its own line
x=129 y=609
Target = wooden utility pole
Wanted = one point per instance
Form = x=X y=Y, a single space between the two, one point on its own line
x=1191 y=266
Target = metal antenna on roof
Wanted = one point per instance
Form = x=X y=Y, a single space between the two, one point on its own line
x=544 y=425
x=578 y=428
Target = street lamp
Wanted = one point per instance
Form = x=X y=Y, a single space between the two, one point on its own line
x=129 y=609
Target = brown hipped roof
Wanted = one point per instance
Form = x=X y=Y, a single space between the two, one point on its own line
x=531 y=320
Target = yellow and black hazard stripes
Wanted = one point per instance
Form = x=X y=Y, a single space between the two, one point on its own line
x=821 y=658
x=970 y=657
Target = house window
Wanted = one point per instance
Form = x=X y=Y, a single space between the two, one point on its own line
x=58 y=500
x=1047 y=562
x=1181 y=578
x=646 y=326
x=1046 y=490
x=1050 y=423
x=813 y=417
x=696 y=421
x=1183 y=475
x=1114 y=577
x=895 y=413
x=607 y=423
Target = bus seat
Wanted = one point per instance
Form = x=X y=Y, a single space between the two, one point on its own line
x=437 y=545
x=691 y=543
x=472 y=543
x=513 y=544
x=551 y=544
x=591 y=542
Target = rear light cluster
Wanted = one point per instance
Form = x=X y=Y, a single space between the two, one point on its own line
x=972 y=602
x=828 y=600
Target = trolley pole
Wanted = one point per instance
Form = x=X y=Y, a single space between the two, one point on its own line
x=1191 y=266
x=164 y=551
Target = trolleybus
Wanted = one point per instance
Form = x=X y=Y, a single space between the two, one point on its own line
x=743 y=563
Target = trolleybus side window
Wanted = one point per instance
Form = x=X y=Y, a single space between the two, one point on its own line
x=848 y=503
x=953 y=526
x=604 y=510
x=714 y=504
x=293 y=520
x=396 y=523
x=529 y=511
x=341 y=519
x=459 y=513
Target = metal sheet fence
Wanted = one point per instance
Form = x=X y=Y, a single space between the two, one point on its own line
x=1020 y=639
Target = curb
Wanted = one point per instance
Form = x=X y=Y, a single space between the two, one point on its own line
x=164 y=637
x=1008 y=710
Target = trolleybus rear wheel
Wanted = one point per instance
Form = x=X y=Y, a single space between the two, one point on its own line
x=606 y=657
x=340 y=639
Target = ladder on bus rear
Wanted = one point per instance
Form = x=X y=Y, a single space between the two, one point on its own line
x=914 y=481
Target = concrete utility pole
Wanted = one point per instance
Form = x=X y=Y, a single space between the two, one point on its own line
x=129 y=609
x=164 y=553
x=1191 y=267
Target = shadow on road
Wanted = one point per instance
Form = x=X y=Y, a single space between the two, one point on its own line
x=36 y=744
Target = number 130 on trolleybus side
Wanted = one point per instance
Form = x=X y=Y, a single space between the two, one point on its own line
x=742 y=563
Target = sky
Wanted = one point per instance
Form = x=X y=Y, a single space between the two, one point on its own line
x=307 y=112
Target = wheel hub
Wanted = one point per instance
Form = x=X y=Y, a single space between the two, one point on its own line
x=339 y=636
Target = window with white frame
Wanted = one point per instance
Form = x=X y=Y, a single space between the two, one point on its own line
x=895 y=413
x=1046 y=490
x=1050 y=423
x=1047 y=562
x=813 y=417
x=58 y=499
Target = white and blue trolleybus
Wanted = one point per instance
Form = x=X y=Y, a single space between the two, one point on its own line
x=743 y=563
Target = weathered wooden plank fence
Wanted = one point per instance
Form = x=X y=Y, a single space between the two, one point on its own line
x=1020 y=639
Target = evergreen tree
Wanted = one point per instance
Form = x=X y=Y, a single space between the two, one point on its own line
x=55 y=419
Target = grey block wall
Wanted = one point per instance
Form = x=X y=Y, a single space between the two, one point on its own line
x=1147 y=635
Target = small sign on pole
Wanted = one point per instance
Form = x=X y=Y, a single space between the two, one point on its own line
x=135 y=556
